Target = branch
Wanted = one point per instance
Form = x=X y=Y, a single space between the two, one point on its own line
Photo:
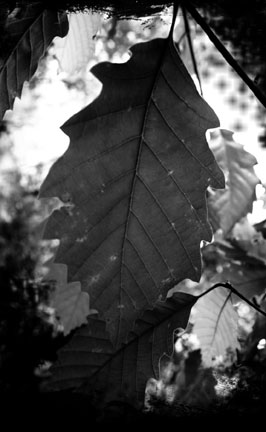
x=233 y=290
x=175 y=10
x=187 y=28
x=225 y=53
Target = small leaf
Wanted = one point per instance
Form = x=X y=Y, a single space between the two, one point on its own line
x=90 y=361
x=135 y=177
x=28 y=34
x=71 y=304
x=77 y=48
x=228 y=206
x=216 y=325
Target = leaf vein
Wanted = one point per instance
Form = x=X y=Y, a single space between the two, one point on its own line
x=172 y=225
x=151 y=239
x=181 y=98
x=182 y=142
x=142 y=260
x=175 y=182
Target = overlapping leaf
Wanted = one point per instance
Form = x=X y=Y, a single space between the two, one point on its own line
x=29 y=31
x=71 y=304
x=228 y=206
x=90 y=362
x=77 y=48
x=216 y=325
x=135 y=177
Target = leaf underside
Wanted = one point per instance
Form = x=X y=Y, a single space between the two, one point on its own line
x=89 y=361
x=216 y=325
x=77 y=48
x=28 y=37
x=228 y=206
x=134 y=178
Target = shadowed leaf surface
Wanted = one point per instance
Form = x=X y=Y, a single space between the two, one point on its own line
x=29 y=32
x=228 y=206
x=90 y=361
x=134 y=178
x=216 y=324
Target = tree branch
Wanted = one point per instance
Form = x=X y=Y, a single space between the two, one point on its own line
x=193 y=58
x=233 y=290
x=225 y=53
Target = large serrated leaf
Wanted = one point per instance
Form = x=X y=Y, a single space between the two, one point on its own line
x=228 y=206
x=77 y=48
x=135 y=177
x=90 y=362
x=216 y=325
x=71 y=304
x=29 y=33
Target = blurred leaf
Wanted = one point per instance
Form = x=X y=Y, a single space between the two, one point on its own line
x=249 y=277
x=250 y=240
x=71 y=304
x=216 y=325
x=228 y=261
x=134 y=178
x=90 y=361
x=226 y=207
x=261 y=226
x=258 y=333
x=77 y=48
x=28 y=33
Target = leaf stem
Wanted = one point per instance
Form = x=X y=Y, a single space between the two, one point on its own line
x=225 y=53
x=190 y=44
x=175 y=10
x=233 y=290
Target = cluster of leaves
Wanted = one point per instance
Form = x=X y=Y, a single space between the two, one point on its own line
x=27 y=324
x=133 y=186
x=237 y=254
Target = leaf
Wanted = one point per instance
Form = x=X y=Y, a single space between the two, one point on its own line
x=90 y=362
x=134 y=177
x=29 y=32
x=77 y=48
x=71 y=304
x=229 y=205
x=216 y=325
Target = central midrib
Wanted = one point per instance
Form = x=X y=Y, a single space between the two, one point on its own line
x=137 y=164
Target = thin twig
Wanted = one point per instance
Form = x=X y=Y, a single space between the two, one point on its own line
x=233 y=290
x=225 y=53
x=190 y=44
x=219 y=284
x=175 y=10
x=181 y=38
x=253 y=305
